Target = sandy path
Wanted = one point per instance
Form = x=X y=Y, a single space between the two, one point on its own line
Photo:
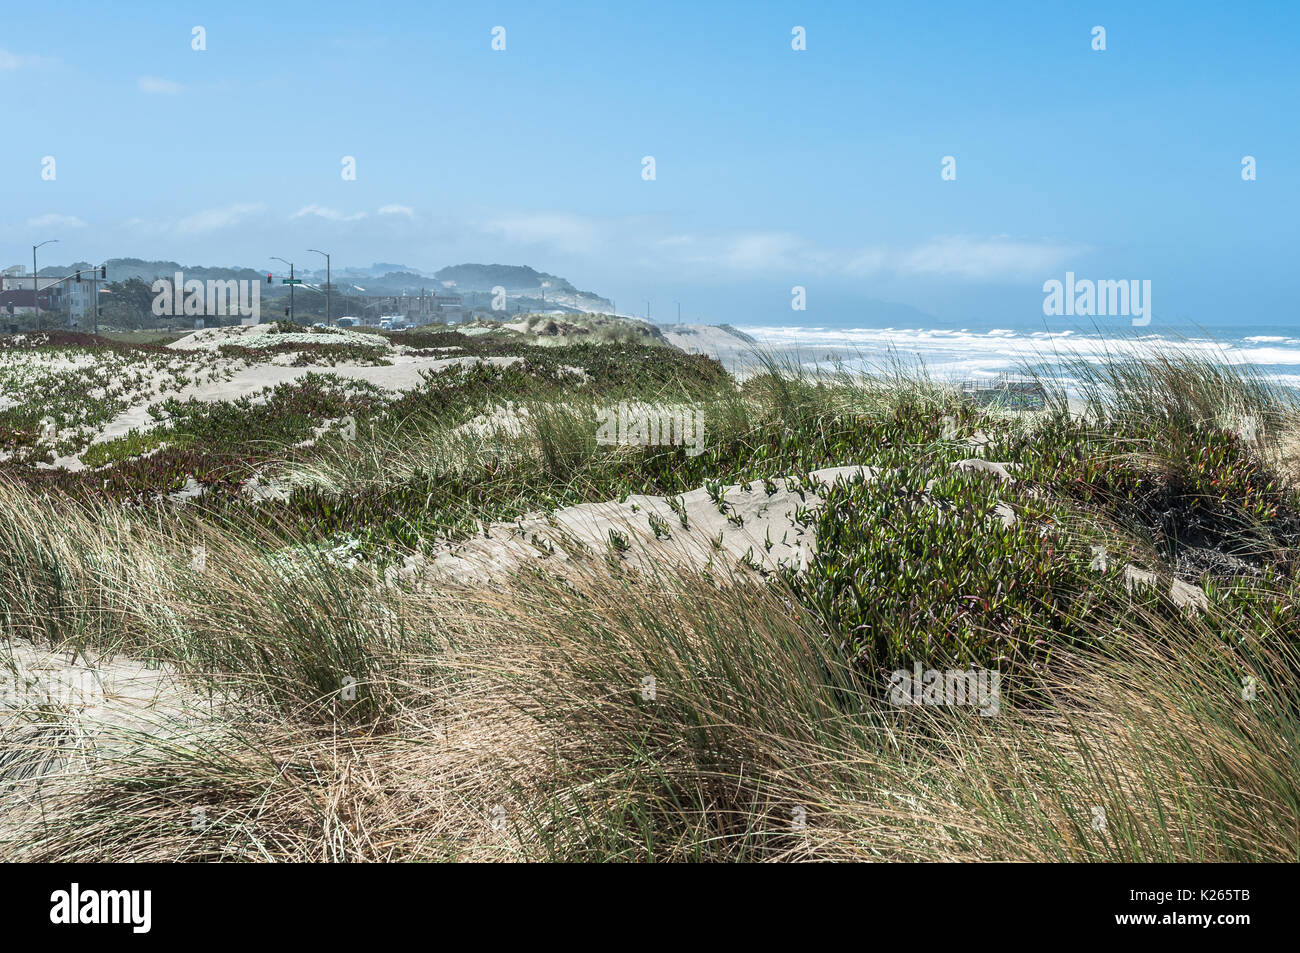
x=752 y=526
x=403 y=374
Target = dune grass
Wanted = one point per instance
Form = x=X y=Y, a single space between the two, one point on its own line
x=337 y=712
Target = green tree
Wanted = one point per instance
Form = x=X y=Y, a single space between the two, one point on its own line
x=127 y=304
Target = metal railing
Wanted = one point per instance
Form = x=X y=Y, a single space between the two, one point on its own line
x=1008 y=390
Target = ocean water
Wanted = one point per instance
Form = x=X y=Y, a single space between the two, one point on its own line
x=959 y=354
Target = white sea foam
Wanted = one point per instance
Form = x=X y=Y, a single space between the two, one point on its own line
x=964 y=352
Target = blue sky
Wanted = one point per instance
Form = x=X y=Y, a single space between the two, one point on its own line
x=774 y=167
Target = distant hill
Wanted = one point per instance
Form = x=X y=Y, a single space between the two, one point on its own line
x=473 y=277
x=393 y=282
x=555 y=329
x=874 y=312
x=523 y=284
x=119 y=269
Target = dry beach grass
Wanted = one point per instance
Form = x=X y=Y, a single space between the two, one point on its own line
x=330 y=697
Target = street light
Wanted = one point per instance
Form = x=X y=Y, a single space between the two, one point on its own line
x=36 y=300
x=292 y=312
x=328 y=286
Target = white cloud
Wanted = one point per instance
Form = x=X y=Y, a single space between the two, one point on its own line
x=331 y=214
x=55 y=220
x=397 y=210
x=648 y=245
x=983 y=258
x=214 y=219
x=998 y=258
x=9 y=61
x=154 y=84
x=773 y=251
x=560 y=231
x=868 y=261
x=761 y=250
x=986 y=259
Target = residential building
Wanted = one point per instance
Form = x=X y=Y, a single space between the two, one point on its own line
x=70 y=297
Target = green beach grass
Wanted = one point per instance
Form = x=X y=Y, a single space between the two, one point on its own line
x=1137 y=607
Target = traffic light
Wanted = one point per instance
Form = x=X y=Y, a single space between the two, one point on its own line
x=286 y=311
x=103 y=272
x=268 y=277
x=78 y=277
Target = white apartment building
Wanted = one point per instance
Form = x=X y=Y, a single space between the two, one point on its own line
x=72 y=296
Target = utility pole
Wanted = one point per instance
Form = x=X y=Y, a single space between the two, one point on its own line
x=95 y=275
x=328 y=287
x=36 y=292
x=293 y=313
